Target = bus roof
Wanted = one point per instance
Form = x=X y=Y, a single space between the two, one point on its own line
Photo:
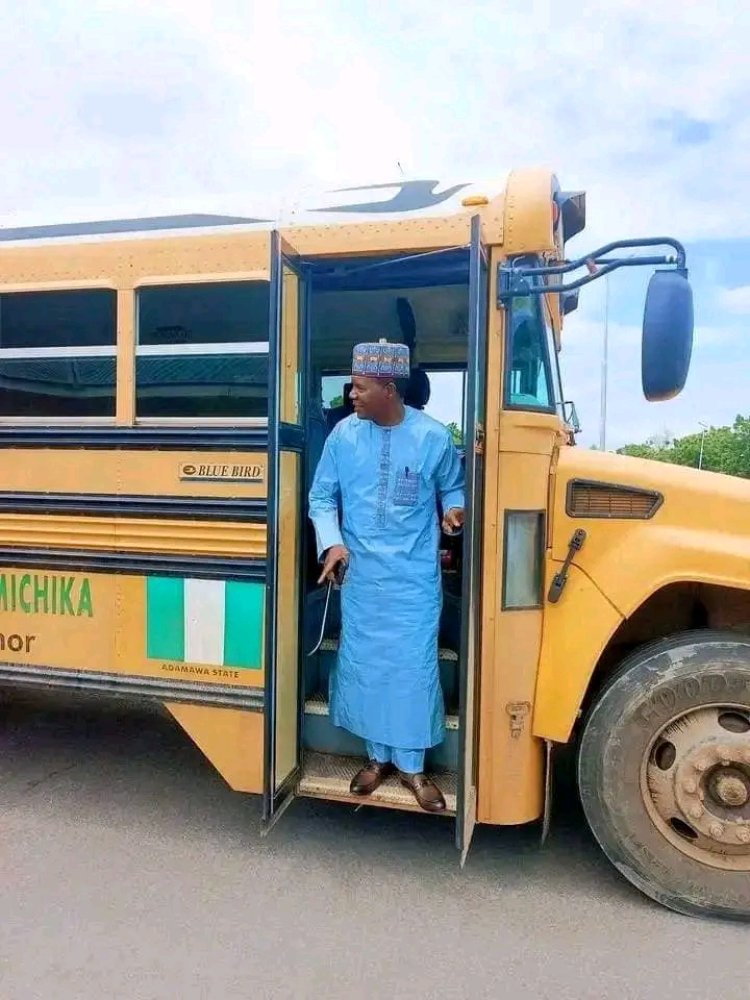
x=391 y=202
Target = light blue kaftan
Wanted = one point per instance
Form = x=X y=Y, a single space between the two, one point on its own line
x=387 y=482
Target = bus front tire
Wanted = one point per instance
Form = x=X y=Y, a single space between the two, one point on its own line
x=664 y=772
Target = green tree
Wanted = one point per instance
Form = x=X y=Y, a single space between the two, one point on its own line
x=456 y=433
x=725 y=449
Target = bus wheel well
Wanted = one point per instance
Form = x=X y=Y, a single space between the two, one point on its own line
x=679 y=607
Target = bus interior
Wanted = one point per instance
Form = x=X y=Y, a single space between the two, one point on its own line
x=422 y=301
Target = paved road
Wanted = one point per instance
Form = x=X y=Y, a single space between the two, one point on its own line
x=128 y=870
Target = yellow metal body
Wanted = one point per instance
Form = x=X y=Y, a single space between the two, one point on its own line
x=535 y=666
x=231 y=739
x=700 y=536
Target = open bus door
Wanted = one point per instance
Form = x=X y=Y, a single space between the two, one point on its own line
x=466 y=811
x=283 y=747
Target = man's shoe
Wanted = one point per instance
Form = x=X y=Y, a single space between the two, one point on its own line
x=372 y=776
x=425 y=791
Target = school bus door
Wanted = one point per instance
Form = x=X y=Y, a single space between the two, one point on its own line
x=284 y=548
x=466 y=814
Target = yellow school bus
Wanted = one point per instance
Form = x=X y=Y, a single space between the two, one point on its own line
x=166 y=385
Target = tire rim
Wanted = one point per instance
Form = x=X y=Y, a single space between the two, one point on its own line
x=695 y=783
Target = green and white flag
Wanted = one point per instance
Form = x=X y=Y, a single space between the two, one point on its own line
x=216 y=622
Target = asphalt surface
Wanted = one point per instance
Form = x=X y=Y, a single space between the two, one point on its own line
x=129 y=870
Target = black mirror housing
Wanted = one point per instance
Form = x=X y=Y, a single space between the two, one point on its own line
x=667 y=341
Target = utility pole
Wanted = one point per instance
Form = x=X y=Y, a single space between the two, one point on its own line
x=605 y=361
x=703 y=440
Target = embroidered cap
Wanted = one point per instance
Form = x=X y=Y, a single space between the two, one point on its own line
x=381 y=360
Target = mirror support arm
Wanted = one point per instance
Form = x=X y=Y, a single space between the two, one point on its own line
x=513 y=278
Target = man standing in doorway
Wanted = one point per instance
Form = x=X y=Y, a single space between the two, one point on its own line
x=387 y=467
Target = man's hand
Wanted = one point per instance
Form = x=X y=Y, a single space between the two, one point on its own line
x=334 y=555
x=453 y=520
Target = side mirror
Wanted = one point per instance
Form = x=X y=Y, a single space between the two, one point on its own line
x=570 y=416
x=667 y=341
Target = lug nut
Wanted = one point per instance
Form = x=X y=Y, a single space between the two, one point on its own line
x=716 y=830
x=743 y=835
x=697 y=811
x=690 y=785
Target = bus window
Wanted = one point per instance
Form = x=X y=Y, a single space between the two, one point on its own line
x=447 y=401
x=202 y=350
x=529 y=381
x=332 y=390
x=57 y=354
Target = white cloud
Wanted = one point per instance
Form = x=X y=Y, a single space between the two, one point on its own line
x=126 y=106
x=127 y=99
x=735 y=300
x=145 y=105
x=715 y=391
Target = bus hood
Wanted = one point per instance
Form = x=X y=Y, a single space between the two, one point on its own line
x=696 y=527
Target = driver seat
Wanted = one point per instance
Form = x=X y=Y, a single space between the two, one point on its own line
x=418 y=390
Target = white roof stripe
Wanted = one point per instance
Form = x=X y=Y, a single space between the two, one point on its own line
x=394 y=201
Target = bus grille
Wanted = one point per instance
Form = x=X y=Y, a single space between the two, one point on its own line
x=609 y=500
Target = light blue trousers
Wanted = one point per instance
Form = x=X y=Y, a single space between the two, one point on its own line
x=408 y=761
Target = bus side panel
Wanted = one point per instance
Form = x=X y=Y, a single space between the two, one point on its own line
x=167 y=627
x=195 y=630
x=54 y=618
x=135 y=562
x=82 y=472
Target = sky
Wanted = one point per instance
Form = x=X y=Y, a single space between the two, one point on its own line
x=118 y=106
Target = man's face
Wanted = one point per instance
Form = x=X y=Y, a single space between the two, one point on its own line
x=372 y=398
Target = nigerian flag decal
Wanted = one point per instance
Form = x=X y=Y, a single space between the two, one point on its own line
x=216 y=622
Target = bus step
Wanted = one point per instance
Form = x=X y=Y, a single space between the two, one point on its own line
x=318 y=669
x=331 y=646
x=318 y=705
x=319 y=734
x=328 y=776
